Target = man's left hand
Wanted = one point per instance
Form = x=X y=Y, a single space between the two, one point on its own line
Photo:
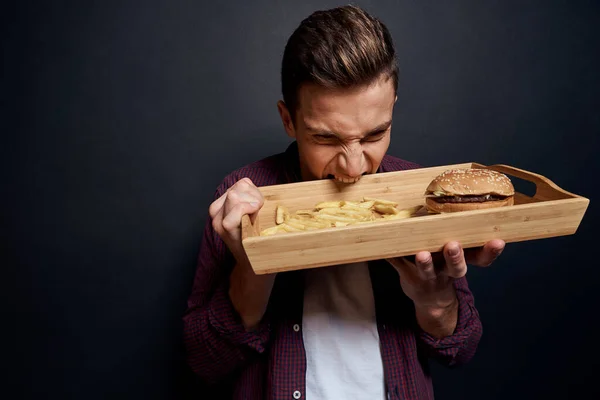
x=428 y=278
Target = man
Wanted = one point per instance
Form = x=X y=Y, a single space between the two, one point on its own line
x=359 y=331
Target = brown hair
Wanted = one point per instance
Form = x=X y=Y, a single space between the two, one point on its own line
x=337 y=48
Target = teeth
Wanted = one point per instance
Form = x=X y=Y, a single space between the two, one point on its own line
x=347 y=180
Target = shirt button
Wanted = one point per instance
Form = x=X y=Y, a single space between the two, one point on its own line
x=297 y=394
x=296 y=328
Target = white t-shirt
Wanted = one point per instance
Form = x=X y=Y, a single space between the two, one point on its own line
x=340 y=335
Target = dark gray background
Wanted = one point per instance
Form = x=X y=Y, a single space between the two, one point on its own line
x=120 y=118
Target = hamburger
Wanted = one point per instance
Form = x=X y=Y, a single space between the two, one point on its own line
x=468 y=189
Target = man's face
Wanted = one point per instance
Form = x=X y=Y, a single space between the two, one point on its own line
x=341 y=134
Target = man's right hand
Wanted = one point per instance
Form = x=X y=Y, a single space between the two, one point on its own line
x=226 y=212
x=249 y=292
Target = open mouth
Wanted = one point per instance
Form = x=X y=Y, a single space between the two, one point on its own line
x=344 y=179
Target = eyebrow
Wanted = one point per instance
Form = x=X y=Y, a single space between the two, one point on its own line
x=378 y=129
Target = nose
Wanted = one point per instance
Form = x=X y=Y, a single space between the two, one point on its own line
x=352 y=160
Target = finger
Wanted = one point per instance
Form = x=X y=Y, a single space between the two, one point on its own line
x=402 y=265
x=233 y=219
x=217 y=205
x=246 y=181
x=252 y=191
x=236 y=196
x=456 y=265
x=250 y=187
x=256 y=202
x=246 y=185
x=486 y=255
x=217 y=221
x=247 y=193
x=425 y=266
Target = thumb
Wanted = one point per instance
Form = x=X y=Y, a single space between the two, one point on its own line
x=233 y=220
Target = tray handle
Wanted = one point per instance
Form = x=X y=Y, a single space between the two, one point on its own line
x=545 y=188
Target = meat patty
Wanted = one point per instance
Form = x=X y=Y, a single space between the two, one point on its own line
x=467 y=199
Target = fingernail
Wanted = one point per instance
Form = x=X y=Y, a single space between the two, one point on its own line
x=253 y=203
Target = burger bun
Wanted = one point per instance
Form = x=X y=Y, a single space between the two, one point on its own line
x=465 y=185
x=438 y=208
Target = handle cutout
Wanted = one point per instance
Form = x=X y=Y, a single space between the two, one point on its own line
x=523 y=186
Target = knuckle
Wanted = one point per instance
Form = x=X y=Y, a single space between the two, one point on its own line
x=216 y=225
x=233 y=220
x=213 y=209
x=244 y=183
x=233 y=196
x=229 y=225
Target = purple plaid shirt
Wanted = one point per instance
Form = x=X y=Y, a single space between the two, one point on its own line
x=270 y=362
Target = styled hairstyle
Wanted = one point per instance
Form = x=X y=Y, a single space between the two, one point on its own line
x=337 y=48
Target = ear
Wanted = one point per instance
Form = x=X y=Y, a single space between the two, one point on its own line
x=286 y=118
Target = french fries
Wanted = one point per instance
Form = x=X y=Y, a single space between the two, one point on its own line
x=282 y=213
x=332 y=214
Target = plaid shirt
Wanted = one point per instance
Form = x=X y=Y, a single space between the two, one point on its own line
x=270 y=362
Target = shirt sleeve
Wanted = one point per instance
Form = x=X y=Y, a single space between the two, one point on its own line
x=216 y=342
x=459 y=347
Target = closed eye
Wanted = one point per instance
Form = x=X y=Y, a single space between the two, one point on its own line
x=325 y=138
x=375 y=136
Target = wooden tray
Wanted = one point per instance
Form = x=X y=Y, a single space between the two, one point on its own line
x=551 y=212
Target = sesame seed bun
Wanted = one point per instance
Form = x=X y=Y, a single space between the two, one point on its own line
x=471 y=181
x=469 y=189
